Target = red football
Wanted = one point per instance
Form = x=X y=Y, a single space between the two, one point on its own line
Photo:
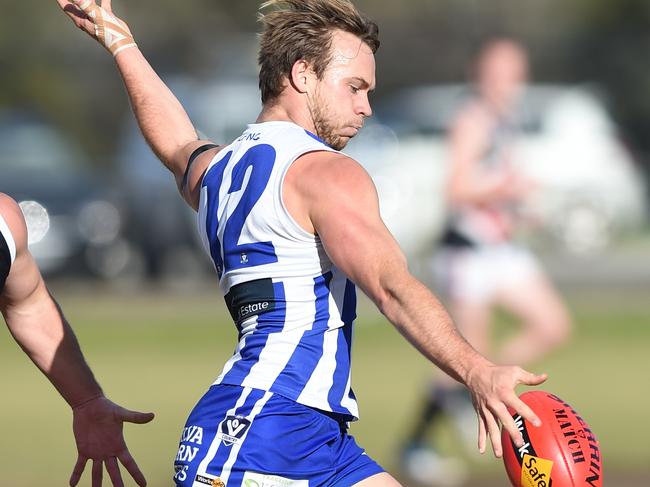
x=562 y=452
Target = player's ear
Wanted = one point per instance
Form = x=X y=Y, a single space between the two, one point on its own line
x=301 y=76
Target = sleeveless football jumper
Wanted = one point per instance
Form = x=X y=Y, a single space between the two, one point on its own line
x=277 y=414
x=292 y=307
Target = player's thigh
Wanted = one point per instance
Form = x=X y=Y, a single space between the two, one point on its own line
x=379 y=480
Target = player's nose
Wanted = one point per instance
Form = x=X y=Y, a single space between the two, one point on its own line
x=363 y=107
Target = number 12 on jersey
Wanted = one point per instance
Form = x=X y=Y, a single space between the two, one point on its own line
x=230 y=254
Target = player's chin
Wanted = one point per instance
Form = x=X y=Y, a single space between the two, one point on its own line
x=343 y=139
x=340 y=142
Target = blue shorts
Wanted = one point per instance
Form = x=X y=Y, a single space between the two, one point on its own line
x=238 y=436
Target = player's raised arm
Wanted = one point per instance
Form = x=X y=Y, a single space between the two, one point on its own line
x=162 y=119
x=329 y=189
x=38 y=325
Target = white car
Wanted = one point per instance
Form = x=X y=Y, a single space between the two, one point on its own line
x=591 y=190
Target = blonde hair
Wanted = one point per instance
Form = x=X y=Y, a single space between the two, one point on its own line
x=302 y=29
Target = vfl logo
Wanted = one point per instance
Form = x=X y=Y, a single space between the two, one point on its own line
x=233 y=429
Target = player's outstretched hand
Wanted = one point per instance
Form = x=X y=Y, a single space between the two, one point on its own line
x=97 y=426
x=493 y=391
x=99 y=22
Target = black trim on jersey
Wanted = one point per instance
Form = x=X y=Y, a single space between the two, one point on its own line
x=250 y=298
x=197 y=152
x=5 y=261
x=454 y=239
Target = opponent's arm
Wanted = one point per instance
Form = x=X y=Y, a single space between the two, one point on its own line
x=38 y=325
x=334 y=197
x=162 y=119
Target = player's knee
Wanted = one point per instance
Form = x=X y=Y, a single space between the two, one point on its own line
x=558 y=330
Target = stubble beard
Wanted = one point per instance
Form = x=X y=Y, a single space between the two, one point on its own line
x=325 y=130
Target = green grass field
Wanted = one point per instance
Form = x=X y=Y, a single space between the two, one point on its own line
x=159 y=351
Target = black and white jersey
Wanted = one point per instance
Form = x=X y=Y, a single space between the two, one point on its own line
x=473 y=224
x=7 y=252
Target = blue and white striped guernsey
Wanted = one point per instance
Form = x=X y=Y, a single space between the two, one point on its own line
x=292 y=307
x=7 y=251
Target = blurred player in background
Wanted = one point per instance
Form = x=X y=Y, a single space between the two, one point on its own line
x=38 y=325
x=290 y=223
x=479 y=266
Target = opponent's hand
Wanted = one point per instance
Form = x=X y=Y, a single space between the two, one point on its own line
x=100 y=23
x=97 y=426
x=493 y=391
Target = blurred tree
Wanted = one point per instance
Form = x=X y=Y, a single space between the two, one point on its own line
x=49 y=67
x=613 y=50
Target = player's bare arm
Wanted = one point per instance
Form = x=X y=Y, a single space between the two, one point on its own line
x=38 y=325
x=321 y=191
x=162 y=119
